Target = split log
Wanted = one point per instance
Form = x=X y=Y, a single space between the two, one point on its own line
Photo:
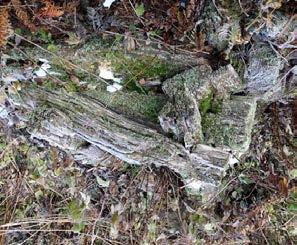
x=82 y=125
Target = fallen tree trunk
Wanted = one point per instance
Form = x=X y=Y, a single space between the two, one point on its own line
x=84 y=126
x=199 y=109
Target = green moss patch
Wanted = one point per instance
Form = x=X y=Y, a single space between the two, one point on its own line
x=210 y=104
x=134 y=69
x=209 y=107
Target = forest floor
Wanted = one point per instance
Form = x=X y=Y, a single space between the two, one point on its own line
x=47 y=197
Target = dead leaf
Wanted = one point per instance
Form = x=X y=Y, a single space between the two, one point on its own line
x=129 y=42
x=54 y=157
x=68 y=161
x=75 y=79
x=142 y=81
x=283 y=186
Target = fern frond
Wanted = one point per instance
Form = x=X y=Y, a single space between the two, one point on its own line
x=50 y=10
x=22 y=14
x=5 y=26
x=70 y=7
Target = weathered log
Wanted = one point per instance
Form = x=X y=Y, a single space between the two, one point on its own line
x=82 y=125
x=93 y=124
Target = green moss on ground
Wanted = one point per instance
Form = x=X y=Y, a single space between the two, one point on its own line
x=134 y=69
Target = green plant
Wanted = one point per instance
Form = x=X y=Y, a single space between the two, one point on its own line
x=210 y=104
x=139 y=10
x=44 y=36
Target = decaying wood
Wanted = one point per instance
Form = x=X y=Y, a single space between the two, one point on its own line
x=82 y=125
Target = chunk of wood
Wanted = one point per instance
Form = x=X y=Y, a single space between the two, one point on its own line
x=85 y=127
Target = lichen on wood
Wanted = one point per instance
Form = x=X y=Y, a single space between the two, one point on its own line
x=191 y=94
x=86 y=128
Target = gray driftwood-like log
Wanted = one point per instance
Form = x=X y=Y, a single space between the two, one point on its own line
x=82 y=125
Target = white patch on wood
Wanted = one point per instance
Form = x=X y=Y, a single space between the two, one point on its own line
x=107 y=74
x=114 y=87
x=108 y=3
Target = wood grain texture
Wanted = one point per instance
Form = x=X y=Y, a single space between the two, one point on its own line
x=81 y=125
